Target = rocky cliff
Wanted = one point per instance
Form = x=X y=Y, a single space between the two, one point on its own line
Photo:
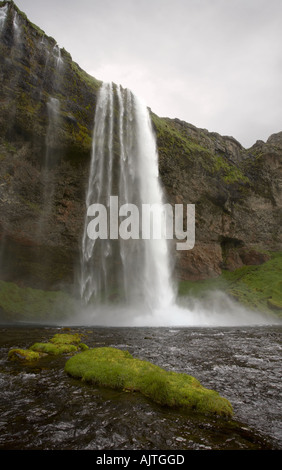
x=237 y=193
x=46 y=120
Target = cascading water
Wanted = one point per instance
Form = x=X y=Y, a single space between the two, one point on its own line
x=53 y=110
x=17 y=28
x=47 y=177
x=53 y=107
x=3 y=16
x=124 y=164
x=58 y=56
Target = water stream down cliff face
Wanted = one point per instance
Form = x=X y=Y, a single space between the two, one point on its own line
x=124 y=172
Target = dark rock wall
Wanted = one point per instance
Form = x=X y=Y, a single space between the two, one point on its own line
x=237 y=194
x=44 y=154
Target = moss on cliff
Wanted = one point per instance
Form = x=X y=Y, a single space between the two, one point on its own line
x=230 y=173
x=174 y=144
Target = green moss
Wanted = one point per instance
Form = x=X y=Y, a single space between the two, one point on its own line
x=256 y=287
x=229 y=172
x=25 y=355
x=54 y=349
x=66 y=338
x=171 y=142
x=61 y=343
x=113 y=368
x=85 y=77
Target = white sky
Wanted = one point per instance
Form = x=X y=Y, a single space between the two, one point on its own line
x=214 y=63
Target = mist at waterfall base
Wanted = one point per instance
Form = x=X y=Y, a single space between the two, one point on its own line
x=218 y=310
x=124 y=163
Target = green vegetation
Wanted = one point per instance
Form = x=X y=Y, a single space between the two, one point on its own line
x=256 y=287
x=85 y=77
x=58 y=345
x=113 y=368
x=172 y=143
x=229 y=172
x=25 y=355
x=25 y=303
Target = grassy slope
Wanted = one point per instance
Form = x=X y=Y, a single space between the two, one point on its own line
x=24 y=303
x=256 y=287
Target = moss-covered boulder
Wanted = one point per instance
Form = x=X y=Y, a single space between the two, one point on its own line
x=60 y=344
x=117 y=369
x=26 y=355
x=54 y=349
x=66 y=338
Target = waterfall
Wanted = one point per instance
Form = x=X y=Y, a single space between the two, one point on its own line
x=48 y=163
x=58 y=57
x=17 y=28
x=16 y=25
x=124 y=165
x=53 y=110
x=3 y=16
x=53 y=107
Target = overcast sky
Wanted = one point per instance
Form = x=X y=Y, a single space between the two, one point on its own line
x=214 y=63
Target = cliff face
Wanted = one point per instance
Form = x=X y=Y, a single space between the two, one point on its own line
x=46 y=120
x=237 y=193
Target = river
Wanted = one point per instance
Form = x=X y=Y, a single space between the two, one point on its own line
x=44 y=409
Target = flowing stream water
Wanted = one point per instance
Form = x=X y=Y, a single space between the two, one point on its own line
x=42 y=408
